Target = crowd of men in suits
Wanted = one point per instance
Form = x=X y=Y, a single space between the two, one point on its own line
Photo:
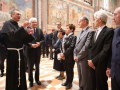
x=96 y=52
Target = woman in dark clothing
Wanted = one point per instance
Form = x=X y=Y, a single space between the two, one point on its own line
x=67 y=48
x=58 y=64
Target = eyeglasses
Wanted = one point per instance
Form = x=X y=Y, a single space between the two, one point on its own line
x=33 y=22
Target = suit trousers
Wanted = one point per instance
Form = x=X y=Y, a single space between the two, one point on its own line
x=33 y=59
x=69 y=68
x=115 y=84
x=51 y=53
x=83 y=74
x=2 y=59
x=47 y=50
x=97 y=80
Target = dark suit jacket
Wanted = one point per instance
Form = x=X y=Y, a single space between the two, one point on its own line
x=2 y=48
x=57 y=47
x=55 y=37
x=100 y=50
x=69 y=49
x=115 y=60
x=50 y=38
x=46 y=39
x=40 y=38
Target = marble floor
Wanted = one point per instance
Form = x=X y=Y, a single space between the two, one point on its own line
x=47 y=78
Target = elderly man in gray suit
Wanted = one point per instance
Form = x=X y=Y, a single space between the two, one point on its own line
x=81 y=52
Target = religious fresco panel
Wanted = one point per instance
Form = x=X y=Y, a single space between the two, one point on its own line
x=57 y=12
x=74 y=13
x=25 y=7
x=89 y=14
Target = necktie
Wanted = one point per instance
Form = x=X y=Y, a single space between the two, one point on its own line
x=56 y=42
x=95 y=36
x=82 y=31
x=34 y=34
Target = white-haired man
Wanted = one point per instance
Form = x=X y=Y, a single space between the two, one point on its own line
x=114 y=70
x=99 y=52
x=33 y=52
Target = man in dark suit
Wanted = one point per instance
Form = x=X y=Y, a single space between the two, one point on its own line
x=115 y=59
x=2 y=57
x=50 y=43
x=45 y=44
x=56 y=32
x=99 y=51
x=33 y=52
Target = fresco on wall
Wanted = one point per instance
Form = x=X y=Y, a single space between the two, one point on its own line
x=89 y=14
x=109 y=22
x=24 y=6
x=74 y=13
x=57 y=12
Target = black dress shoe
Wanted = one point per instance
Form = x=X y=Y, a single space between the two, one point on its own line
x=64 y=84
x=1 y=75
x=31 y=84
x=38 y=82
x=68 y=86
x=51 y=58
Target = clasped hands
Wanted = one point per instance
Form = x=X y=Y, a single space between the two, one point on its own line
x=35 y=45
x=90 y=63
x=62 y=56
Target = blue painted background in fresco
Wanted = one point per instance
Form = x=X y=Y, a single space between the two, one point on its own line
x=22 y=5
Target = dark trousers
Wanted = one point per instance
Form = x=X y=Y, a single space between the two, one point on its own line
x=51 y=53
x=33 y=59
x=2 y=59
x=47 y=50
x=115 y=84
x=69 y=68
x=97 y=80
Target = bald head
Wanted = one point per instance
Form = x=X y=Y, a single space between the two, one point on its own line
x=116 y=16
x=118 y=9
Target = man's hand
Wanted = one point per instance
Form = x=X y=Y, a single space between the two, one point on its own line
x=34 y=45
x=53 y=50
x=62 y=56
x=26 y=24
x=38 y=43
x=75 y=58
x=30 y=31
x=90 y=63
x=108 y=72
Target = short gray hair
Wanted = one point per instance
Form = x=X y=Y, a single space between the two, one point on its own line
x=12 y=11
x=101 y=14
x=85 y=18
x=33 y=18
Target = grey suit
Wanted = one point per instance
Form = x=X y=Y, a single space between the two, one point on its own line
x=81 y=51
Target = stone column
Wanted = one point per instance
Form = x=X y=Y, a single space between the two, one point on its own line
x=44 y=15
x=39 y=14
x=96 y=5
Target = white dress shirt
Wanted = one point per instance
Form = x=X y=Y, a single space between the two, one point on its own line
x=99 y=30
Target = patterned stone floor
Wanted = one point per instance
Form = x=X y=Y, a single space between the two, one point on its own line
x=47 y=78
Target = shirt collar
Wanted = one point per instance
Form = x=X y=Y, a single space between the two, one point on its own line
x=100 y=28
x=85 y=28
